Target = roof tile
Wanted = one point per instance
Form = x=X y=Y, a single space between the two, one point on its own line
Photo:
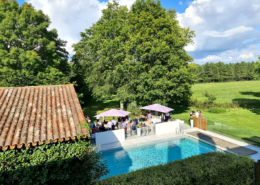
x=34 y=115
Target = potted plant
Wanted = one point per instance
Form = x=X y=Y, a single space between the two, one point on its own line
x=191 y=121
x=138 y=129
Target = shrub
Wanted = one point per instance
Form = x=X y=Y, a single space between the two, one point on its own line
x=217 y=110
x=210 y=98
x=211 y=168
x=71 y=162
x=134 y=109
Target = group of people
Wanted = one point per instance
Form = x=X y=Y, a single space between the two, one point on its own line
x=125 y=122
x=110 y=125
x=166 y=117
x=197 y=113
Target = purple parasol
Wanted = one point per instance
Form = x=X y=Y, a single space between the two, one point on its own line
x=157 y=107
x=113 y=112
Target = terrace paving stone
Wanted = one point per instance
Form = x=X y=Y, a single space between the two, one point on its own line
x=222 y=143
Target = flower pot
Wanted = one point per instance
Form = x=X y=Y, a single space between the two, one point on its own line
x=191 y=123
x=138 y=130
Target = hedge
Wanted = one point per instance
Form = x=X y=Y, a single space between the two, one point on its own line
x=211 y=168
x=71 y=162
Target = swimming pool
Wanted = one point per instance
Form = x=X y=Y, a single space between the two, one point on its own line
x=124 y=160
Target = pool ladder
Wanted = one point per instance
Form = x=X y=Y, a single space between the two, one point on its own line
x=179 y=131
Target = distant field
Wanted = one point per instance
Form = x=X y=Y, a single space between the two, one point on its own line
x=228 y=91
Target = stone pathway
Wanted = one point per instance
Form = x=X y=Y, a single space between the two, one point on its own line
x=222 y=143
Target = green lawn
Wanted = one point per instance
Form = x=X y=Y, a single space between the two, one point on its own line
x=229 y=91
x=241 y=123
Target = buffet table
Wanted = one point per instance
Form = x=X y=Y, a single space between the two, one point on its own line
x=156 y=119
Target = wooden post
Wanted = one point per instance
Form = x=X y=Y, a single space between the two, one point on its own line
x=257 y=171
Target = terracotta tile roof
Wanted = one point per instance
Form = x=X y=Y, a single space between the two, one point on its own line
x=31 y=115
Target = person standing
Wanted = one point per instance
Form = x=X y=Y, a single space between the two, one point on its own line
x=167 y=116
x=143 y=117
x=123 y=126
x=99 y=125
x=197 y=114
x=149 y=117
x=162 y=118
x=135 y=120
x=109 y=125
x=113 y=124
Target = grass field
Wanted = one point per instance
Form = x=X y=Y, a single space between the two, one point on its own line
x=242 y=123
x=229 y=91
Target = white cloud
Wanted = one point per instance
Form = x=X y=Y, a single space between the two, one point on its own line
x=222 y=28
x=228 y=33
x=180 y=3
x=70 y=17
x=247 y=54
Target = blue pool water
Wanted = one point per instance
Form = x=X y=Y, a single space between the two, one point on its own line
x=124 y=160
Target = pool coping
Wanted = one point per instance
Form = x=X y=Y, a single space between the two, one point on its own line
x=150 y=142
x=176 y=137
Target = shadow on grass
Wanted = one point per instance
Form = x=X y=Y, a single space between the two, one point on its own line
x=251 y=104
x=255 y=94
x=178 y=109
x=255 y=140
x=95 y=107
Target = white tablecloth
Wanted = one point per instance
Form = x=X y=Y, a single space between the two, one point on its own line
x=155 y=120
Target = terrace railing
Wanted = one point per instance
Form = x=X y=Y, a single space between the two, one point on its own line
x=200 y=123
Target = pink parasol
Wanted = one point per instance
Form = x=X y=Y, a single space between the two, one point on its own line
x=113 y=112
x=157 y=107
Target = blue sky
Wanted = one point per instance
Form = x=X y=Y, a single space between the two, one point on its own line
x=227 y=31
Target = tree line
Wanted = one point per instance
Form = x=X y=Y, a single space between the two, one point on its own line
x=223 y=72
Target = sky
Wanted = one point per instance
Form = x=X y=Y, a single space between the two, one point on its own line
x=226 y=30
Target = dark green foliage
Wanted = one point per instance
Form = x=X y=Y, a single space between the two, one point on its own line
x=210 y=98
x=211 y=168
x=29 y=53
x=73 y=162
x=137 y=54
x=221 y=72
x=217 y=110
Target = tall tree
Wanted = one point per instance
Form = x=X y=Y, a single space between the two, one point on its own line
x=100 y=52
x=208 y=72
x=237 y=71
x=137 y=54
x=200 y=74
x=29 y=53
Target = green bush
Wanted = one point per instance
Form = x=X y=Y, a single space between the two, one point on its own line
x=217 y=110
x=211 y=168
x=134 y=109
x=72 y=162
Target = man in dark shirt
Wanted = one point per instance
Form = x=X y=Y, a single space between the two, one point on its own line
x=136 y=120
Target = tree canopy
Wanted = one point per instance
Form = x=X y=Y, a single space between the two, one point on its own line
x=137 y=54
x=30 y=54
